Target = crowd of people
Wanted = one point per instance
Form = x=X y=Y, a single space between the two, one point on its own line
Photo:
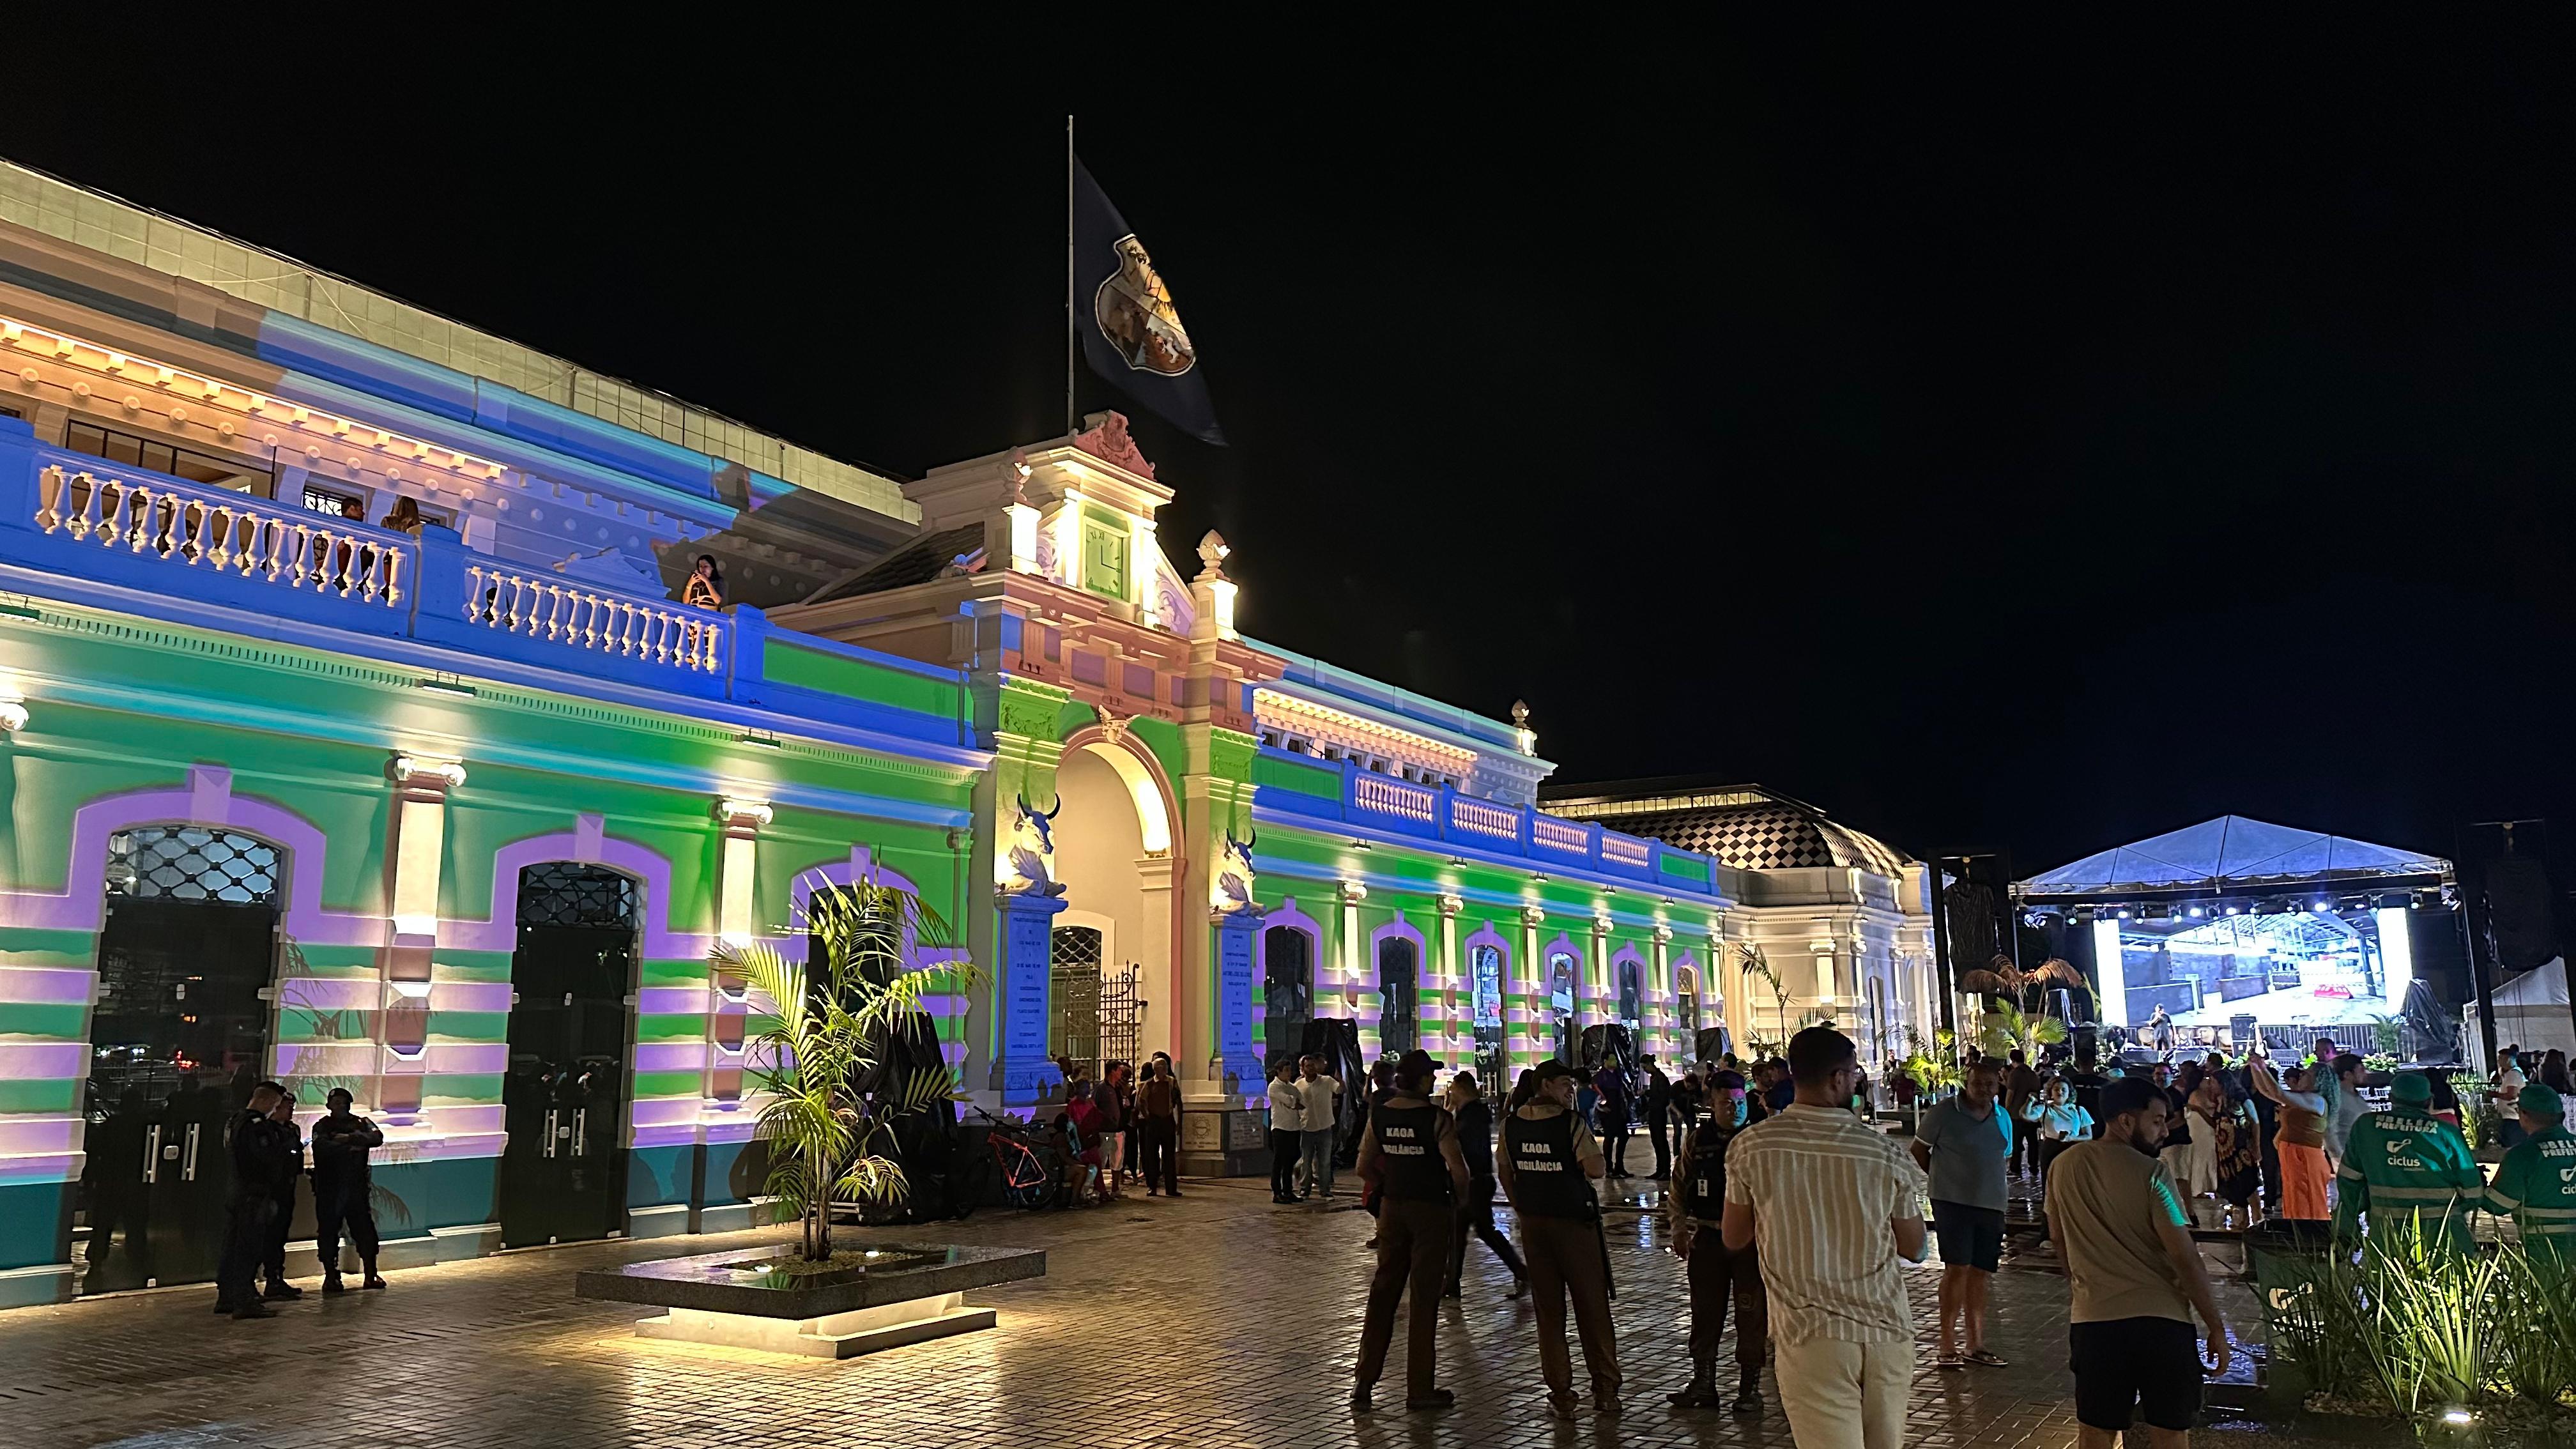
x=1795 y=1211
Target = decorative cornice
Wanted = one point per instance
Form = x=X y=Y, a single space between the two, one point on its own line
x=420 y=771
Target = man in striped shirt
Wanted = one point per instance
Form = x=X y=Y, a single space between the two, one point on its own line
x=1837 y=1206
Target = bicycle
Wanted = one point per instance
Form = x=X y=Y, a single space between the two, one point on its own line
x=1017 y=1166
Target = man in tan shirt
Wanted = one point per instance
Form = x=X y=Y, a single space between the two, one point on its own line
x=1410 y=1153
x=2135 y=1277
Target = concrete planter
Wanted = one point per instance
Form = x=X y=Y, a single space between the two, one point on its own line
x=903 y=1293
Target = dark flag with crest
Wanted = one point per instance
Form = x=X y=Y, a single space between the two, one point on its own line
x=1131 y=332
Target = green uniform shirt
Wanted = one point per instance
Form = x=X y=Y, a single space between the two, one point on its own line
x=2407 y=1162
x=2537 y=1186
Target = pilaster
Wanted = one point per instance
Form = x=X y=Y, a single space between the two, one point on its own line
x=404 y=964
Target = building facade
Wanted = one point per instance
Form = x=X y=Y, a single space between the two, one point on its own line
x=352 y=732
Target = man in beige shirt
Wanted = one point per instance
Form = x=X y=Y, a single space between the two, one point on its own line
x=2135 y=1277
x=1410 y=1154
x=1837 y=1206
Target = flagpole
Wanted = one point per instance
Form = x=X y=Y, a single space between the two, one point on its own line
x=1068 y=276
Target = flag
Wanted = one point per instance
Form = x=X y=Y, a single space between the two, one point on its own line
x=1131 y=332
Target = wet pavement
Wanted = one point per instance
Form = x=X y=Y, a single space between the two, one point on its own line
x=1217 y=1319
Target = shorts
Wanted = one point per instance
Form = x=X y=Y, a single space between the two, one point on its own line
x=2150 y=1366
x=1970 y=1237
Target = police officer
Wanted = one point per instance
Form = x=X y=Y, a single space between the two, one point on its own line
x=2537 y=1183
x=258 y=1153
x=1549 y=1162
x=1698 y=1207
x=273 y=1249
x=2406 y=1161
x=1410 y=1154
x=341 y=1142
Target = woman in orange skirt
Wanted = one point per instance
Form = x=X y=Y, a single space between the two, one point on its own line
x=2301 y=1143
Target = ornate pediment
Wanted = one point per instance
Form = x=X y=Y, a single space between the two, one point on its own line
x=1104 y=436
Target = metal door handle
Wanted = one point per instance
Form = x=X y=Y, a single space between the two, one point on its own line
x=188 y=1163
x=551 y=1115
x=580 y=1128
x=152 y=1154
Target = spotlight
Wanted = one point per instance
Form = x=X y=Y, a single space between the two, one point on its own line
x=2195 y=910
x=2231 y=910
x=2322 y=907
x=2124 y=915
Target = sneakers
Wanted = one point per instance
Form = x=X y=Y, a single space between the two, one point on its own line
x=252 y=1308
x=281 y=1291
x=331 y=1283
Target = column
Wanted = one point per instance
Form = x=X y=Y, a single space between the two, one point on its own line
x=1022 y=1071
x=1461 y=1027
x=1531 y=1017
x=1154 y=953
x=404 y=964
x=729 y=997
x=1353 y=950
x=1598 y=988
x=1663 y=1012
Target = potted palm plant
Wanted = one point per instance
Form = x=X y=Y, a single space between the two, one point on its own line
x=833 y=1094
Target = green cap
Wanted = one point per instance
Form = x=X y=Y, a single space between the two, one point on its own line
x=2411 y=1089
x=2540 y=1101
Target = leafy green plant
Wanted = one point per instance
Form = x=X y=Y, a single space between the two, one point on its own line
x=1932 y=1071
x=831 y=1101
x=2538 y=1303
x=2478 y=1115
x=2387 y=1035
x=2005 y=1029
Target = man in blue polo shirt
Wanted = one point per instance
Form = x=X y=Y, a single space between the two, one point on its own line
x=1965 y=1143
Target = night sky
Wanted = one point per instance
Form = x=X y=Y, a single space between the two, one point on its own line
x=2031 y=439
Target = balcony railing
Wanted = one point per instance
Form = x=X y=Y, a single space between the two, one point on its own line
x=1351 y=796
x=88 y=530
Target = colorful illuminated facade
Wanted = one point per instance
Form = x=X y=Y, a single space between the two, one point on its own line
x=351 y=733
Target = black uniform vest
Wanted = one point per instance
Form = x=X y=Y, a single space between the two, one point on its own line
x=1703 y=1182
x=1547 y=1178
x=1408 y=1143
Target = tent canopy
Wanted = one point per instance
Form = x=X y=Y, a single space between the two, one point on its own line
x=2229 y=851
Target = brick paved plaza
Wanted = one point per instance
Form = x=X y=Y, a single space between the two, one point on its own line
x=1215 y=1320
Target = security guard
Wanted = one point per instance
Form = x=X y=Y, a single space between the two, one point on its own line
x=1549 y=1161
x=1698 y=1213
x=2406 y=1160
x=1410 y=1153
x=2537 y=1183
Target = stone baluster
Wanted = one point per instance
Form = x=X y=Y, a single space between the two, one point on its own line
x=50 y=487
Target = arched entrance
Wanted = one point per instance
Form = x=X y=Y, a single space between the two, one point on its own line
x=1287 y=991
x=1114 y=834
x=180 y=1036
x=1560 y=1004
x=563 y=1171
x=1485 y=977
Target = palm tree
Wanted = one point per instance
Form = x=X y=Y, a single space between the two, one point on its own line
x=832 y=1100
x=2005 y=1029
x=1757 y=964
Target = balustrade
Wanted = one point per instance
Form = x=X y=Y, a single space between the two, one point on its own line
x=195 y=526
x=578 y=616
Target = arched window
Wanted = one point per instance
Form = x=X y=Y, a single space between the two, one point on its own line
x=1485 y=973
x=1287 y=990
x=1560 y=1004
x=1398 y=1024
x=1686 y=1005
x=1632 y=998
x=191 y=863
